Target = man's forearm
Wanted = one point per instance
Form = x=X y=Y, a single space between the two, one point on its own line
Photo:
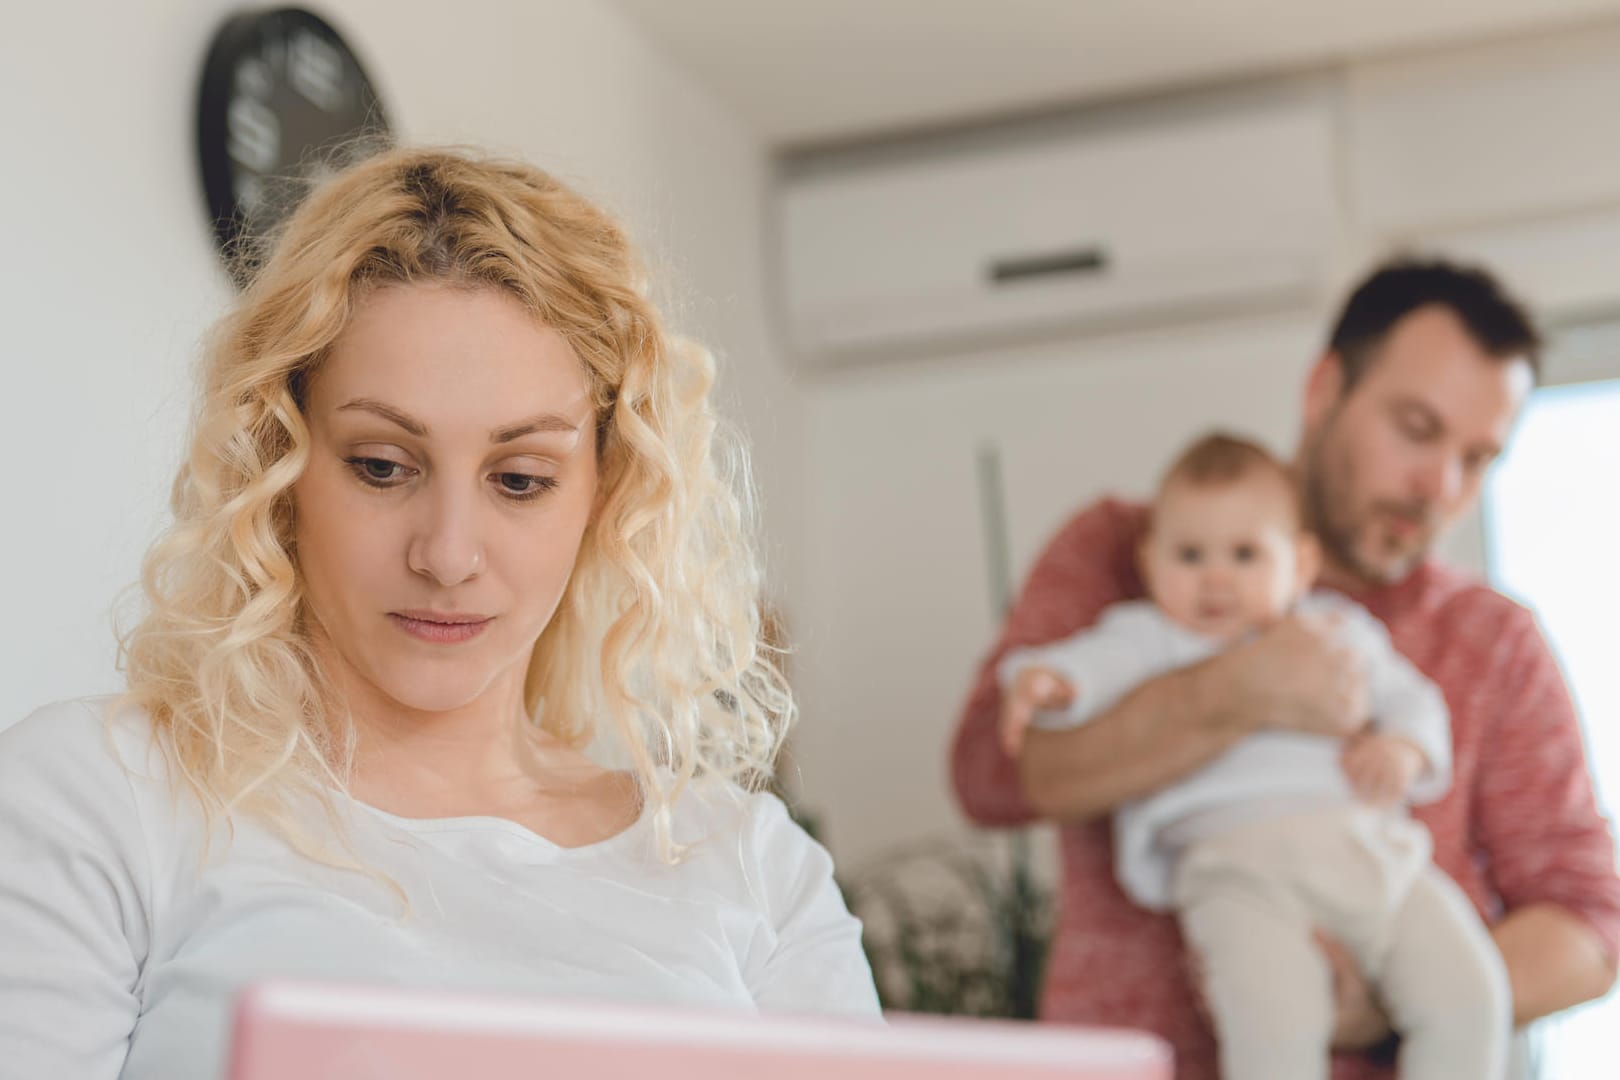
x=1554 y=960
x=1160 y=732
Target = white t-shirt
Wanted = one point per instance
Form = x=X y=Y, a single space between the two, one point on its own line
x=1135 y=641
x=121 y=947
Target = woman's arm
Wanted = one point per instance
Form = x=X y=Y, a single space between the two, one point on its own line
x=73 y=898
x=813 y=962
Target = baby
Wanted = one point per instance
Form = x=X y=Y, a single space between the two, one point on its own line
x=1286 y=833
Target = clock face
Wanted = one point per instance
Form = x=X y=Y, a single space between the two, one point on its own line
x=284 y=102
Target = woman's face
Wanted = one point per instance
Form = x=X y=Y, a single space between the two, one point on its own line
x=452 y=474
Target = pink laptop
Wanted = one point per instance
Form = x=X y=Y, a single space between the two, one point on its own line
x=302 y=1031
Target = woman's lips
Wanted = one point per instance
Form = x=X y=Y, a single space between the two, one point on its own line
x=441 y=629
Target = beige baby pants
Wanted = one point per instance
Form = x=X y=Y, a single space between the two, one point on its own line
x=1249 y=897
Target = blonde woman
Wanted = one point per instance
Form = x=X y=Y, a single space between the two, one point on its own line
x=451 y=514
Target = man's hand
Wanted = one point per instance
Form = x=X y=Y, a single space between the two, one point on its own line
x=1033 y=690
x=1381 y=768
x=1359 y=1022
x=1295 y=675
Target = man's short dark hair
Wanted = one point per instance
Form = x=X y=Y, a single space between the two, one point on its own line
x=1497 y=322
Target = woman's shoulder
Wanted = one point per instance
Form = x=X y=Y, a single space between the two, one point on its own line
x=100 y=746
x=751 y=839
x=83 y=812
x=726 y=810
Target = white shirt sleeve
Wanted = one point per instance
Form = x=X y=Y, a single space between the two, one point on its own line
x=1128 y=646
x=1402 y=700
x=813 y=963
x=74 y=898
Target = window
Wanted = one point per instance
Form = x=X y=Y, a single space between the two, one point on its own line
x=1552 y=523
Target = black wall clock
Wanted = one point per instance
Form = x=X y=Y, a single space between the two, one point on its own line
x=283 y=101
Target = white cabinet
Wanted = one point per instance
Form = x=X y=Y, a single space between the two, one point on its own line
x=1494 y=133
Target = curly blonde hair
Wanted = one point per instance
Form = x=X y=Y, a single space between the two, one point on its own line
x=659 y=633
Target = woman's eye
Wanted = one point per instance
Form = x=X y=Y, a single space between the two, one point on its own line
x=382 y=473
x=378 y=472
x=524 y=485
x=1245 y=553
x=1189 y=555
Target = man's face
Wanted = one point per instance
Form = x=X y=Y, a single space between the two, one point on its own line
x=1392 y=461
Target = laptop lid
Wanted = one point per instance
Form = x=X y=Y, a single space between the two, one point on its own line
x=305 y=1031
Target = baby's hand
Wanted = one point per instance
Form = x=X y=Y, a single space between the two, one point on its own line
x=1381 y=768
x=1034 y=689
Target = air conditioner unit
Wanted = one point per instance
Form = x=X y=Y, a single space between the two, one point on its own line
x=1210 y=212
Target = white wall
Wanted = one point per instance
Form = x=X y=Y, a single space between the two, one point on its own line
x=111 y=278
x=108 y=282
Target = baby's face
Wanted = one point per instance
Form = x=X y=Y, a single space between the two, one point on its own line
x=1226 y=558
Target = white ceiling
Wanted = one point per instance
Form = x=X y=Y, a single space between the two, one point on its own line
x=806 y=71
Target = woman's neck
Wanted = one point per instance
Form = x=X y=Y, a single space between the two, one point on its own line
x=484 y=757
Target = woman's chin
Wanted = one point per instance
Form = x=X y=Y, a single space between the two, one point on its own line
x=424 y=691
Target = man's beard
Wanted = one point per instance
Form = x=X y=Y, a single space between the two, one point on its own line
x=1339 y=524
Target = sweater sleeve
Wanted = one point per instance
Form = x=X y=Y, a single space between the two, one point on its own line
x=74 y=898
x=1536 y=816
x=1086 y=567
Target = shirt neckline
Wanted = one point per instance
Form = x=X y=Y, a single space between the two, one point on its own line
x=484 y=823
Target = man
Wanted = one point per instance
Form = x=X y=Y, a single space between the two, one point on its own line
x=1424 y=374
